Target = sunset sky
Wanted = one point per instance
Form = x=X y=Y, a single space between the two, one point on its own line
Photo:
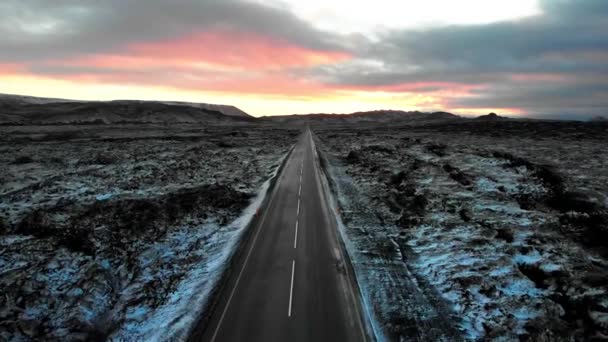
x=268 y=57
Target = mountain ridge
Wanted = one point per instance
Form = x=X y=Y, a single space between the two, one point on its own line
x=17 y=109
x=375 y=116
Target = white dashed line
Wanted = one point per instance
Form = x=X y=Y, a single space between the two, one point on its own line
x=295 y=240
x=293 y=271
x=298 y=207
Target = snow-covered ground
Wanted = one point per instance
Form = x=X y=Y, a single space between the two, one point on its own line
x=477 y=228
x=122 y=232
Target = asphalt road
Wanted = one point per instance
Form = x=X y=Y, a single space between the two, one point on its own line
x=291 y=282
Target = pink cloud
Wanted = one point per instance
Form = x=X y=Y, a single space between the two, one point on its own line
x=224 y=50
x=233 y=48
x=11 y=68
x=222 y=61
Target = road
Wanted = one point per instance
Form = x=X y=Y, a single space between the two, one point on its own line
x=291 y=282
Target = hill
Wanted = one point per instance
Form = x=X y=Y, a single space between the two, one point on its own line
x=16 y=109
x=377 y=116
x=491 y=117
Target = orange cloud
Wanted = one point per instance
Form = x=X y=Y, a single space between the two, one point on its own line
x=483 y=111
x=261 y=84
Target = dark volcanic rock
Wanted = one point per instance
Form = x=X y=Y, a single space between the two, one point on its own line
x=535 y=273
x=127 y=217
x=465 y=214
x=353 y=157
x=380 y=149
x=437 y=149
x=397 y=178
x=413 y=209
x=23 y=160
x=457 y=175
x=550 y=177
x=104 y=159
x=574 y=201
x=505 y=234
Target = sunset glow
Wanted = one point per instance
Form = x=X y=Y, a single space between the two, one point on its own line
x=284 y=57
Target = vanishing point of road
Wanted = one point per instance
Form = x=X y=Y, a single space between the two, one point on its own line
x=292 y=281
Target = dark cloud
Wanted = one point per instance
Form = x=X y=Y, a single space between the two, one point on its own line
x=41 y=29
x=539 y=97
x=513 y=46
x=568 y=39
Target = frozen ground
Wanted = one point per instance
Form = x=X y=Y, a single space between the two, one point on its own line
x=114 y=231
x=500 y=226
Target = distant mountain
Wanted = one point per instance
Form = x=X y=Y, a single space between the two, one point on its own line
x=16 y=109
x=224 y=109
x=8 y=99
x=377 y=116
x=491 y=117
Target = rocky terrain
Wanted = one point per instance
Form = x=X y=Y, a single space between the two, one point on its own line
x=501 y=225
x=119 y=231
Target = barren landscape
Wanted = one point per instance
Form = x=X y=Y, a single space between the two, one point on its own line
x=122 y=231
x=476 y=229
x=500 y=224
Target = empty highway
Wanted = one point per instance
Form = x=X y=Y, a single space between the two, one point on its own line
x=291 y=281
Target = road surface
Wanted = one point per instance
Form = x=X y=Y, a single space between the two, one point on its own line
x=290 y=283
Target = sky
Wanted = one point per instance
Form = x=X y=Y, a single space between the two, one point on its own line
x=545 y=58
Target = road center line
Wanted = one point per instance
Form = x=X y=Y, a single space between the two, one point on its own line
x=295 y=240
x=300 y=190
x=298 y=207
x=293 y=271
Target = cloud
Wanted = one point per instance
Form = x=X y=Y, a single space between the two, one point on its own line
x=220 y=50
x=568 y=39
x=36 y=30
x=555 y=61
x=210 y=45
x=573 y=97
x=10 y=68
